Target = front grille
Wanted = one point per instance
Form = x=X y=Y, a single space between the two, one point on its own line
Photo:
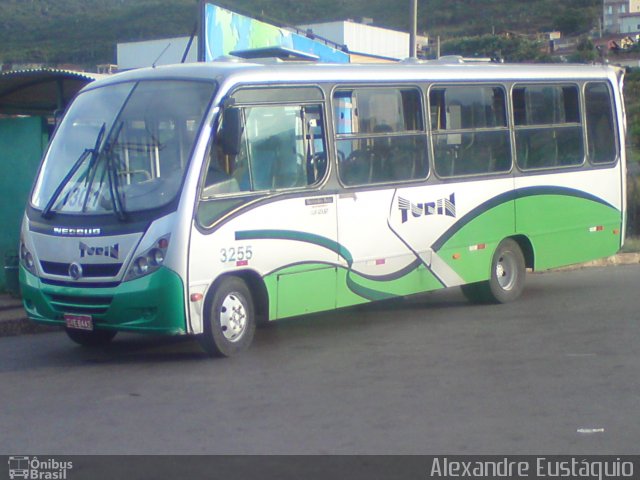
x=88 y=305
x=94 y=270
x=75 y=284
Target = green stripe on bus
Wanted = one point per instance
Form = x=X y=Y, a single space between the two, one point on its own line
x=312 y=287
x=299 y=237
x=512 y=195
x=562 y=229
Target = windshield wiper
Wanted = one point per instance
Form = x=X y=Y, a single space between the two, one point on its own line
x=112 y=175
x=46 y=212
x=92 y=169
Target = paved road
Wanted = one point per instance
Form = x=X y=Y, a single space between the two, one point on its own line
x=433 y=374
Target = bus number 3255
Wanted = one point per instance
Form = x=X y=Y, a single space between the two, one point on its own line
x=233 y=254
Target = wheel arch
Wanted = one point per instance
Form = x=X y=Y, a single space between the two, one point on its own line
x=527 y=249
x=256 y=286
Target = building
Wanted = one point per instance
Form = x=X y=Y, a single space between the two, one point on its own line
x=225 y=33
x=630 y=23
x=166 y=51
x=364 y=43
x=361 y=38
x=619 y=15
x=29 y=100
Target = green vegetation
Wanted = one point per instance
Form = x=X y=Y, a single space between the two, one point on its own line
x=631 y=245
x=510 y=49
x=632 y=97
x=633 y=205
x=632 y=101
x=85 y=32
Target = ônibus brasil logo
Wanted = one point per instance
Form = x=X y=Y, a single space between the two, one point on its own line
x=442 y=206
x=34 y=468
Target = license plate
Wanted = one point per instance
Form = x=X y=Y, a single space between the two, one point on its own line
x=79 y=322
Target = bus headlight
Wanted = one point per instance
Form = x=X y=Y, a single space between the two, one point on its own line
x=150 y=260
x=156 y=256
x=141 y=266
x=26 y=258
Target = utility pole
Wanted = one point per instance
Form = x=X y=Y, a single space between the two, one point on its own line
x=414 y=29
x=599 y=27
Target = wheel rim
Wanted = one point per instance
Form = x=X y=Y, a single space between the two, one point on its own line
x=506 y=270
x=233 y=317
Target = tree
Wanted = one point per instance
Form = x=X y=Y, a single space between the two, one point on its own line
x=574 y=22
x=585 y=52
x=511 y=49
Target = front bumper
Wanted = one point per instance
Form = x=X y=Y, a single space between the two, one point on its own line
x=151 y=304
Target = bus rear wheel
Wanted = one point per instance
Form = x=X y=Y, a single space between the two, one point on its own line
x=230 y=322
x=507 y=276
x=93 y=338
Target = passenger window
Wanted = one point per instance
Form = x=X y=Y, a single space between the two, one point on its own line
x=380 y=135
x=470 y=132
x=600 y=124
x=548 y=130
x=281 y=147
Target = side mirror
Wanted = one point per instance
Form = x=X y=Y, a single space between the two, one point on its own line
x=230 y=134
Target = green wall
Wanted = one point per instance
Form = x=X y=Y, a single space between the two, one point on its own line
x=22 y=141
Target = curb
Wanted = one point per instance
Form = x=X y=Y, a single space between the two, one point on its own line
x=23 y=326
x=13 y=321
x=619 y=259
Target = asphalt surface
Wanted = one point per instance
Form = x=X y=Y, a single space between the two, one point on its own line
x=555 y=372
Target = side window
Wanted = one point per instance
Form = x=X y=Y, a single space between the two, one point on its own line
x=380 y=135
x=281 y=147
x=600 y=124
x=470 y=132
x=548 y=130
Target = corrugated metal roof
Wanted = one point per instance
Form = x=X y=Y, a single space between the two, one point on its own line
x=72 y=73
x=40 y=91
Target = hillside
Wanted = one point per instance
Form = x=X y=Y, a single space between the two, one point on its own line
x=86 y=31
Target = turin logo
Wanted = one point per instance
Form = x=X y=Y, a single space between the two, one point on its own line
x=442 y=206
x=106 y=251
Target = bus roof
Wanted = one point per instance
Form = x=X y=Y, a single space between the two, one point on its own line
x=239 y=72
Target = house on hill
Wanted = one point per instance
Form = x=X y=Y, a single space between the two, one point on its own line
x=621 y=16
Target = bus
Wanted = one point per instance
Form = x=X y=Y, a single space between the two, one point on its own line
x=205 y=199
x=18 y=467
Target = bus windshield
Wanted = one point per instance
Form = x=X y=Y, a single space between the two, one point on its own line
x=122 y=148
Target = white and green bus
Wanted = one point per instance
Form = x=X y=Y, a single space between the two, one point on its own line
x=203 y=199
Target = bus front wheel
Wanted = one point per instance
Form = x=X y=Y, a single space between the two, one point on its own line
x=507 y=276
x=230 y=321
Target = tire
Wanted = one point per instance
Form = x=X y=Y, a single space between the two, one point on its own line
x=506 y=281
x=230 y=321
x=94 y=338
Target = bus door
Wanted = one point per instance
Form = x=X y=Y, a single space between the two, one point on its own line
x=286 y=220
